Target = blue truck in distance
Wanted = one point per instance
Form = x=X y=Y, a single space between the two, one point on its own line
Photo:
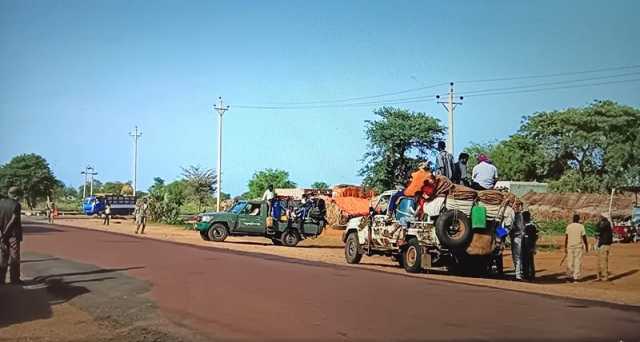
x=120 y=204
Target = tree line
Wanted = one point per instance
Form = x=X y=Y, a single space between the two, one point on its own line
x=585 y=149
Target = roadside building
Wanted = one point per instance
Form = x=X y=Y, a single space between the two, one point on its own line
x=521 y=188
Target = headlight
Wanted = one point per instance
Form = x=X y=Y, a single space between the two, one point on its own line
x=205 y=219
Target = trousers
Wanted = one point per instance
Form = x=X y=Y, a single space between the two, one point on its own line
x=10 y=259
x=603 y=261
x=574 y=262
x=516 y=254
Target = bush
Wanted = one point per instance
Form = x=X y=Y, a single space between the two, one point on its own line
x=557 y=227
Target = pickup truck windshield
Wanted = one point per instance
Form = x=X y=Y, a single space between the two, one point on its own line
x=237 y=208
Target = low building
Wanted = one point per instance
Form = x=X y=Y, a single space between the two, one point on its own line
x=521 y=188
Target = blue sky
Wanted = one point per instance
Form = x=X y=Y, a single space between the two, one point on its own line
x=76 y=76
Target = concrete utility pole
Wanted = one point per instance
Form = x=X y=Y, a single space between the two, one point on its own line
x=449 y=105
x=135 y=134
x=220 y=108
x=92 y=173
x=86 y=174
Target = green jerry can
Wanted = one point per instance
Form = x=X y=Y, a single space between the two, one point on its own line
x=478 y=217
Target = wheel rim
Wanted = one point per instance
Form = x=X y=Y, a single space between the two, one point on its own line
x=352 y=248
x=412 y=256
x=218 y=233
x=290 y=239
x=455 y=231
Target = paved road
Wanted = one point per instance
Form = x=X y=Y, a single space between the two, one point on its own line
x=227 y=294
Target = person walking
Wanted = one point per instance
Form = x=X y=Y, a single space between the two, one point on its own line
x=10 y=237
x=141 y=212
x=485 y=174
x=107 y=214
x=575 y=236
x=604 y=234
x=444 y=161
x=460 y=170
x=529 y=247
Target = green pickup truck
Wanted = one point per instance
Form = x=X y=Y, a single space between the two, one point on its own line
x=249 y=218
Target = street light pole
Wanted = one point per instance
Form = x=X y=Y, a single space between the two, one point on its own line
x=135 y=136
x=220 y=108
x=92 y=173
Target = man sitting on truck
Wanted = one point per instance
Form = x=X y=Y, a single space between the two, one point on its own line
x=484 y=174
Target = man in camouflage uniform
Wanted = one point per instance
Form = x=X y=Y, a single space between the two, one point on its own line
x=10 y=237
x=141 y=213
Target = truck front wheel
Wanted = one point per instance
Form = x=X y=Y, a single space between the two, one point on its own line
x=412 y=257
x=218 y=232
x=352 y=249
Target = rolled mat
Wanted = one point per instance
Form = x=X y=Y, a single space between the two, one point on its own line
x=494 y=197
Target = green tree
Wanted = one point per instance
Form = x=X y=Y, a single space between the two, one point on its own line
x=582 y=143
x=113 y=187
x=201 y=184
x=320 y=186
x=398 y=142
x=262 y=179
x=32 y=174
x=97 y=187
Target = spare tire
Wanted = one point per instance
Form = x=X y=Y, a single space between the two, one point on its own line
x=454 y=229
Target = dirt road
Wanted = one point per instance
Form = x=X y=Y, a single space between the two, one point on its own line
x=231 y=294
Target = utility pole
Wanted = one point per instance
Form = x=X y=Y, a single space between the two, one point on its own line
x=86 y=174
x=220 y=108
x=135 y=134
x=92 y=173
x=449 y=105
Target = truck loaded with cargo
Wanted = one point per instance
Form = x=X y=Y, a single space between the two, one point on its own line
x=434 y=223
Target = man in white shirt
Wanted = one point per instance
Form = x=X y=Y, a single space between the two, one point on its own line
x=268 y=194
x=484 y=174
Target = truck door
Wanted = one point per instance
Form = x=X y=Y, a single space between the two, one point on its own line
x=251 y=219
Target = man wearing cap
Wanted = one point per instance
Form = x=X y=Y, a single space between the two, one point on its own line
x=605 y=238
x=10 y=237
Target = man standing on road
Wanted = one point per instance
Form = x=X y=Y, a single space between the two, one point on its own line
x=575 y=236
x=107 y=213
x=460 y=170
x=517 y=234
x=51 y=211
x=484 y=174
x=10 y=237
x=444 y=161
x=529 y=247
x=141 y=215
x=605 y=238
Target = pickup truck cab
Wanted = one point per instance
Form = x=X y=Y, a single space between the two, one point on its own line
x=250 y=218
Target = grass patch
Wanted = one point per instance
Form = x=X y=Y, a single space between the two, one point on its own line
x=557 y=227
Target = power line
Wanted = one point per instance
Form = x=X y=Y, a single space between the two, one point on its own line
x=551 y=75
x=357 y=104
x=551 y=83
x=362 y=97
x=555 y=88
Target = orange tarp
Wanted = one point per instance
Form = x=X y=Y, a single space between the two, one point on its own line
x=353 y=206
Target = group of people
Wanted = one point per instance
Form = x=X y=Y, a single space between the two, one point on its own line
x=576 y=244
x=483 y=176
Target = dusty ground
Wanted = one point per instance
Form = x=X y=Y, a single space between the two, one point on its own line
x=624 y=262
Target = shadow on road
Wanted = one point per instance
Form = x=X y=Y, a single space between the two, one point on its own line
x=34 y=300
x=31 y=229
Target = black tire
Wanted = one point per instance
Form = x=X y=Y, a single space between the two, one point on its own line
x=352 y=252
x=276 y=242
x=218 y=232
x=454 y=229
x=290 y=238
x=205 y=236
x=412 y=257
